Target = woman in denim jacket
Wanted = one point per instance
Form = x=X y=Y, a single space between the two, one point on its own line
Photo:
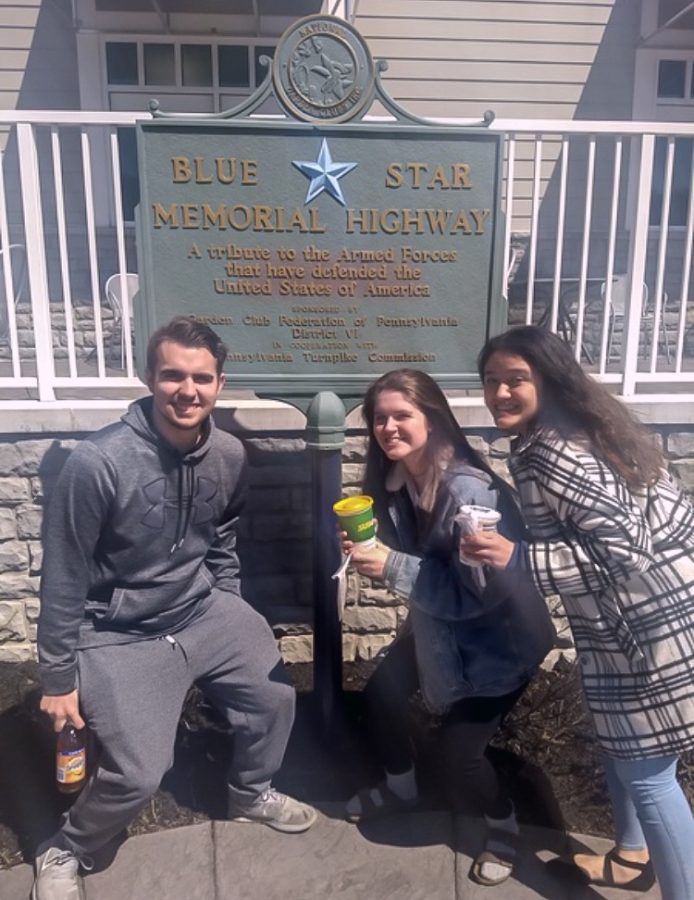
x=473 y=638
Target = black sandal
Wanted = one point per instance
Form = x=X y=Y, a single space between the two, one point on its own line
x=568 y=870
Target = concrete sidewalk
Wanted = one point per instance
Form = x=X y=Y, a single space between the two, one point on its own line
x=417 y=856
x=422 y=855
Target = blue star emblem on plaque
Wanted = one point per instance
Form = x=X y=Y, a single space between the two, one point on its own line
x=324 y=174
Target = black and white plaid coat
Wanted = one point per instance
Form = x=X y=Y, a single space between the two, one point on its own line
x=623 y=563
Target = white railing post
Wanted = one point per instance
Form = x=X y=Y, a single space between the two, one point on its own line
x=657 y=306
x=561 y=219
x=637 y=265
x=8 y=274
x=36 y=260
x=508 y=217
x=535 y=215
x=585 y=246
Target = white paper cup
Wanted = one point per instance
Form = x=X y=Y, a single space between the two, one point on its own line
x=472 y=519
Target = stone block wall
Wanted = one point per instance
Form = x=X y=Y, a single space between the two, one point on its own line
x=26 y=470
x=274 y=537
x=84 y=331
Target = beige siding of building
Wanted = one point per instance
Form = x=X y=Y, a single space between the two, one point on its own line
x=17 y=24
x=528 y=59
x=37 y=55
x=524 y=58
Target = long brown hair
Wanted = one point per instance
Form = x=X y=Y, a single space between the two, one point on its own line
x=576 y=405
x=446 y=441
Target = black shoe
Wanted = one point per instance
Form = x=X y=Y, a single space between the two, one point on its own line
x=567 y=870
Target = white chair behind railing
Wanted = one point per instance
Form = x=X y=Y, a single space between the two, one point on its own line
x=617 y=301
x=114 y=299
x=16 y=277
x=619 y=297
x=510 y=272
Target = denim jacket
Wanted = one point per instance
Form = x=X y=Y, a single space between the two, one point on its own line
x=473 y=637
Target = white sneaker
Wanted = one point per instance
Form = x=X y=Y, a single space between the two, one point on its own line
x=276 y=810
x=56 y=876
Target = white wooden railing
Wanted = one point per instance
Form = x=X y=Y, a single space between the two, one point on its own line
x=577 y=200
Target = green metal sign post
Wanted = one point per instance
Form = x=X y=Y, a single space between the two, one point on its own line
x=323 y=248
x=325 y=437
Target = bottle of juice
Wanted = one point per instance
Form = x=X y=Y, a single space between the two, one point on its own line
x=71 y=760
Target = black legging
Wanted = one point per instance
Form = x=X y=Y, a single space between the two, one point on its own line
x=466 y=729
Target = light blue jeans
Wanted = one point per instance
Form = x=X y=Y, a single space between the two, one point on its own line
x=651 y=810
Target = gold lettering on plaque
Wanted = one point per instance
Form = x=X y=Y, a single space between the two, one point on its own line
x=480 y=216
x=181 y=169
x=164 y=216
x=239 y=217
x=200 y=177
x=416 y=175
x=190 y=215
x=224 y=170
x=416 y=221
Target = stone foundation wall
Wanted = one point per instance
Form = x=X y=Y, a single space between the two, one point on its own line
x=274 y=538
x=84 y=332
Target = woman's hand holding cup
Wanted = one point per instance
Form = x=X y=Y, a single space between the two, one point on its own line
x=357 y=534
x=487 y=548
x=370 y=561
x=480 y=542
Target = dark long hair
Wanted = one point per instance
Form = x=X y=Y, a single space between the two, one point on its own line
x=578 y=406
x=446 y=441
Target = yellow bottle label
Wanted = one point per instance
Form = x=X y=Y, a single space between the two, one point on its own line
x=71 y=766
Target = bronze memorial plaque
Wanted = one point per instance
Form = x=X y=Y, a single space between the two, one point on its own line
x=324 y=253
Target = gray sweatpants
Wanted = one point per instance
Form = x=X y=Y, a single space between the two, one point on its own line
x=132 y=694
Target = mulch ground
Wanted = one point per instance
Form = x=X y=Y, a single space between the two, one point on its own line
x=545 y=753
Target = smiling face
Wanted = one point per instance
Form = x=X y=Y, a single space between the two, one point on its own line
x=185 y=386
x=511 y=392
x=401 y=430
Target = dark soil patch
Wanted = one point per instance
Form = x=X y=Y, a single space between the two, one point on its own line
x=545 y=752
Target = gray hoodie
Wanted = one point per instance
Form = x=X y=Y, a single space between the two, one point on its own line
x=136 y=534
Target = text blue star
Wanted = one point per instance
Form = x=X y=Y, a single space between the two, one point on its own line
x=324 y=174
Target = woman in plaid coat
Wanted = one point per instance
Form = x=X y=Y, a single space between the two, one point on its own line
x=613 y=535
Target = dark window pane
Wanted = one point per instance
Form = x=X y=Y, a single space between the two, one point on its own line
x=289 y=7
x=261 y=71
x=121 y=63
x=681 y=180
x=129 y=179
x=669 y=8
x=159 y=64
x=671 y=73
x=233 y=66
x=121 y=6
x=196 y=62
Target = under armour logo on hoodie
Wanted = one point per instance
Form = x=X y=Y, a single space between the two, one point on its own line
x=201 y=510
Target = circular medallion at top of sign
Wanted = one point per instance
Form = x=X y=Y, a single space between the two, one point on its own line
x=323 y=71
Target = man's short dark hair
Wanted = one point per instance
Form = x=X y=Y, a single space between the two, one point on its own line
x=188 y=333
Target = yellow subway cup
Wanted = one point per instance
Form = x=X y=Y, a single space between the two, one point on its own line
x=356 y=517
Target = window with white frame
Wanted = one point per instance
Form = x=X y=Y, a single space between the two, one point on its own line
x=215 y=70
x=675 y=80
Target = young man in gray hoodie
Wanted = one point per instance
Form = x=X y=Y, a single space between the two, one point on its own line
x=140 y=599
